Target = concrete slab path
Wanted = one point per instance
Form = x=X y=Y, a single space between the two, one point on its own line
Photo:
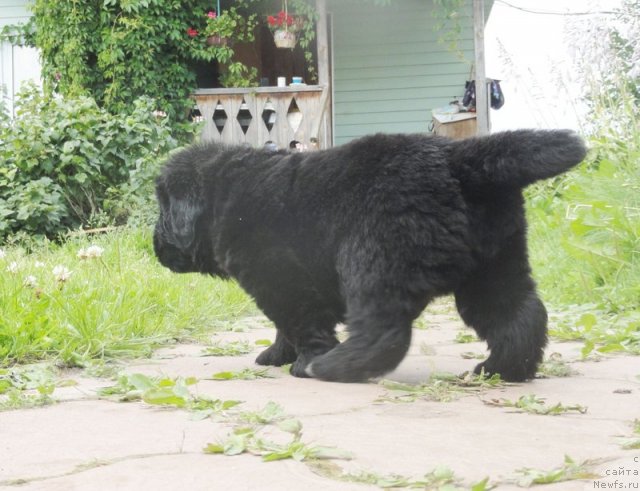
x=83 y=442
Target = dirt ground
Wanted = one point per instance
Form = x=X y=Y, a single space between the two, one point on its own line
x=467 y=434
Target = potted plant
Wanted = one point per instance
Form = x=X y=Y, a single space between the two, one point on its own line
x=285 y=28
x=214 y=39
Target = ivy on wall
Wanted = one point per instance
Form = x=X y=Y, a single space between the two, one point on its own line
x=118 y=50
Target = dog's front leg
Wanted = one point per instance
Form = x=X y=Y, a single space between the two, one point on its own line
x=279 y=353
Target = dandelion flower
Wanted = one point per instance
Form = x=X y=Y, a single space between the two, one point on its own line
x=30 y=281
x=90 y=252
x=61 y=273
x=38 y=264
x=13 y=267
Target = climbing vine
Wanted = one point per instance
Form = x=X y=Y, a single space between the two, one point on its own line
x=118 y=50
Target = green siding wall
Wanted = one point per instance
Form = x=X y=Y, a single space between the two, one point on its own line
x=389 y=69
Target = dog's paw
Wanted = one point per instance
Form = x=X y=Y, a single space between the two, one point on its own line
x=277 y=355
x=299 y=368
x=517 y=373
x=309 y=370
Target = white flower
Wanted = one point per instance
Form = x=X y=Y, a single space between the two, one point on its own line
x=61 y=273
x=90 y=252
x=13 y=267
x=2 y=254
x=38 y=264
x=30 y=281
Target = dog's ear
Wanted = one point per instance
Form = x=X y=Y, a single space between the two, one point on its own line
x=180 y=207
x=183 y=214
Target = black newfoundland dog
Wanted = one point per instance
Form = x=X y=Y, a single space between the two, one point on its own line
x=368 y=234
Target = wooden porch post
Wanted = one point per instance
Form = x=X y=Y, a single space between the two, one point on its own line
x=323 y=43
x=482 y=98
x=324 y=78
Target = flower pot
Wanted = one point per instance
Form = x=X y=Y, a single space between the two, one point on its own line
x=284 y=39
x=216 y=40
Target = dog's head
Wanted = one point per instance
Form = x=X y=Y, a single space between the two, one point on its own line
x=182 y=240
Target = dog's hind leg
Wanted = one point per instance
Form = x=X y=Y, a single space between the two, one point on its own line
x=500 y=302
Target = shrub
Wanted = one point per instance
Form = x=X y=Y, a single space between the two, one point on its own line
x=585 y=230
x=63 y=158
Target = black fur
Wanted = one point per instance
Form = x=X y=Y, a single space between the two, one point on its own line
x=368 y=234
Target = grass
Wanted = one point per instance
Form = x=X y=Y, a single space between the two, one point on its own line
x=57 y=306
x=584 y=238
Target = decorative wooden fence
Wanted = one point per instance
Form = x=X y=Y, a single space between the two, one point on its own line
x=281 y=115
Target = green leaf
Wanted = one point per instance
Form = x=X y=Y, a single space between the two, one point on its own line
x=290 y=426
x=214 y=448
x=163 y=397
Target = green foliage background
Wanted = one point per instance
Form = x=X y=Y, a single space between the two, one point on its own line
x=66 y=161
x=117 y=51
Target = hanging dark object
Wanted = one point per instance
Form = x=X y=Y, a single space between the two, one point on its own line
x=497 y=97
x=496 y=94
x=469 y=98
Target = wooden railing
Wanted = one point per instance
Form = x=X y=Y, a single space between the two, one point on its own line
x=282 y=115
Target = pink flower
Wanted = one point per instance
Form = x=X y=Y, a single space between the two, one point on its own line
x=211 y=14
x=191 y=32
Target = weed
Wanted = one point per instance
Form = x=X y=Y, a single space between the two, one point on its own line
x=421 y=322
x=28 y=386
x=244 y=374
x=634 y=442
x=427 y=350
x=271 y=413
x=439 y=387
x=555 y=366
x=232 y=348
x=245 y=439
x=439 y=479
x=569 y=471
x=470 y=355
x=465 y=337
x=163 y=391
x=536 y=405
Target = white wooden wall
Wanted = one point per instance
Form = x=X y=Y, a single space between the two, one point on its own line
x=17 y=64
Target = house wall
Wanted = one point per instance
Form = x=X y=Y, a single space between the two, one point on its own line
x=16 y=64
x=389 y=71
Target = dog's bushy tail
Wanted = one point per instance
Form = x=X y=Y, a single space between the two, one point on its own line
x=515 y=158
